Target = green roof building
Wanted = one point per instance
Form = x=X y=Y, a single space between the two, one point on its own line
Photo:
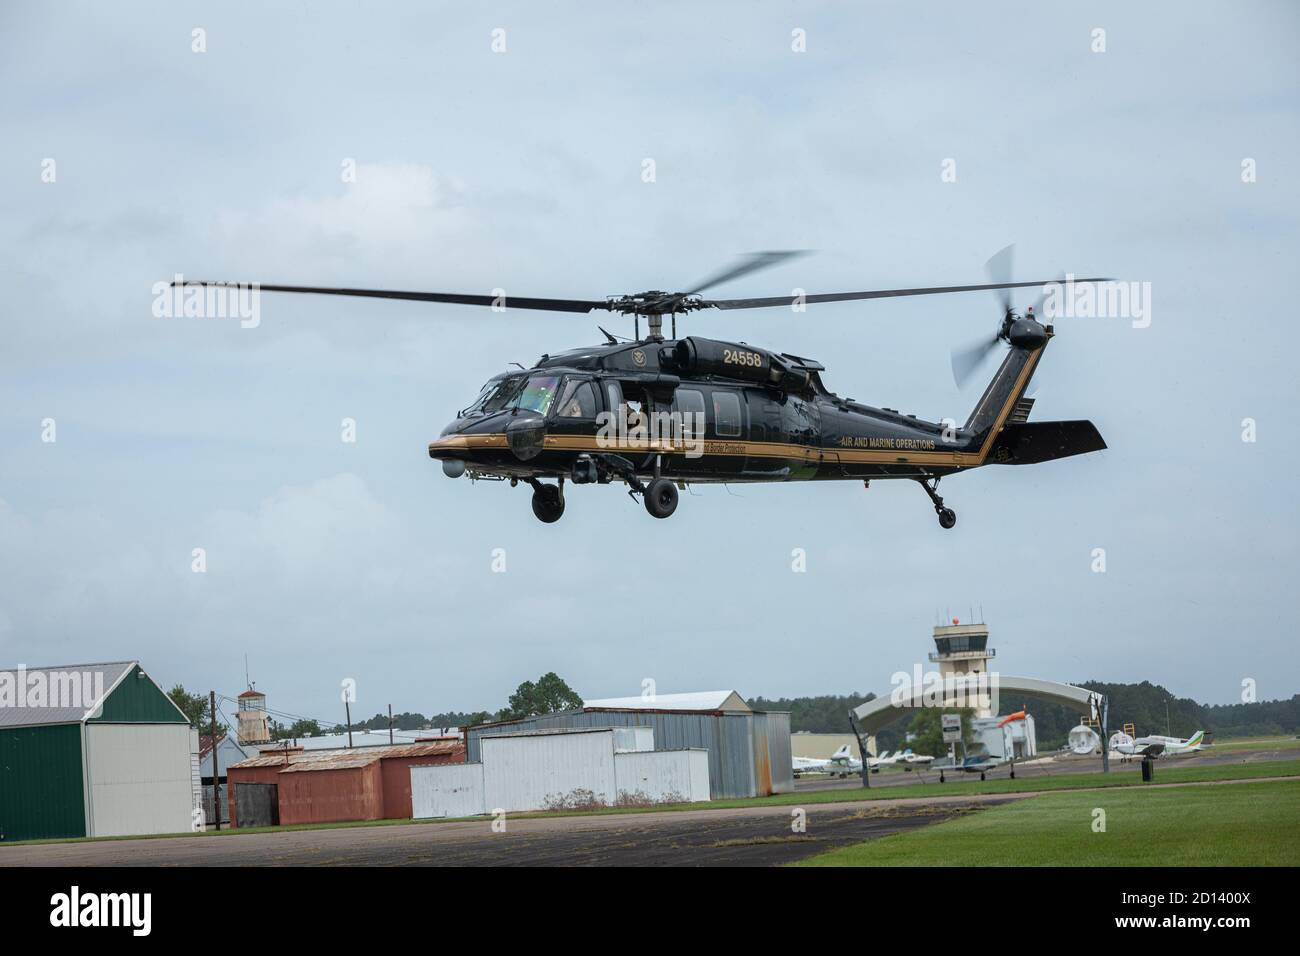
x=93 y=750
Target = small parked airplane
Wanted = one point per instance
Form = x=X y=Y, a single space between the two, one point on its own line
x=804 y=765
x=1156 y=745
x=980 y=764
x=910 y=760
x=839 y=764
x=843 y=764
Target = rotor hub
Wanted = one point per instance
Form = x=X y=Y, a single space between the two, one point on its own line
x=655 y=303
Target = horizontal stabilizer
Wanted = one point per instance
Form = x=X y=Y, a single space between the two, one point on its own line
x=1028 y=443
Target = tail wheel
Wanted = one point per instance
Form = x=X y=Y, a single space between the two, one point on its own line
x=548 y=503
x=661 y=498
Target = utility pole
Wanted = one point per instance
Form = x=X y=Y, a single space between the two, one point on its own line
x=347 y=710
x=390 y=725
x=216 y=781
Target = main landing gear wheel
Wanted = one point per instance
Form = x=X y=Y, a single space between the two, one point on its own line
x=947 y=517
x=661 y=498
x=548 y=503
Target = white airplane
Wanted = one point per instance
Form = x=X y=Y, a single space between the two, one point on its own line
x=910 y=760
x=842 y=763
x=1156 y=745
x=886 y=759
x=804 y=765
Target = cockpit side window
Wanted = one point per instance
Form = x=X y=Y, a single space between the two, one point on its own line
x=538 y=393
x=578 y=400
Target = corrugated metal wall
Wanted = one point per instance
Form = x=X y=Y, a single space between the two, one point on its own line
x=633 y=739
x=223 y=801
x=237 y=775
x=549 y=772
x=780 y=761
x=138 y=699
x=330 y=796
x=139 y=778
x=730 y=738
x=678 y=776
x=453 y=790
x=41 y=792
x=197 y=811
x=396 y=773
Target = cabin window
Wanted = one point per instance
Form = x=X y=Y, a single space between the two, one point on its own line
x=578 y=400
x=726 y=414
x=688 y=401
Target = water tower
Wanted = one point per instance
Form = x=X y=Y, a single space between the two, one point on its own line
x=254 y=726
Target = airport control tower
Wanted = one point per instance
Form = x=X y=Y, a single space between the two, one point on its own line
x=962 y=649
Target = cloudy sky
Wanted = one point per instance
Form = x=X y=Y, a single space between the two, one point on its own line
x=130 y=156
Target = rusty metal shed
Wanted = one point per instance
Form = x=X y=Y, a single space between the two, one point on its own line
x=370 y=783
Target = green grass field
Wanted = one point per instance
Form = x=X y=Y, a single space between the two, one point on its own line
x=1250 y=824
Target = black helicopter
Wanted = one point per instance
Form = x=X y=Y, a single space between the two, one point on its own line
x=659 y=413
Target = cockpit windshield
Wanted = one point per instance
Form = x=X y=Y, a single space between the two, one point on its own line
x=495 y=394
x=532 y=393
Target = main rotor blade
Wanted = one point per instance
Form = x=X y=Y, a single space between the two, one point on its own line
x=786 y=300
x=753 y=262
x=509 y=301
x=967 y=360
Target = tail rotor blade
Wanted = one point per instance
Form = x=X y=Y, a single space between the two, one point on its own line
x=1000 y=269
x=966 y=361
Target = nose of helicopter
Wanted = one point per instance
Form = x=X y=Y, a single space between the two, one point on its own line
x=462 y=443
x=453 y=450
x=451 y=444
